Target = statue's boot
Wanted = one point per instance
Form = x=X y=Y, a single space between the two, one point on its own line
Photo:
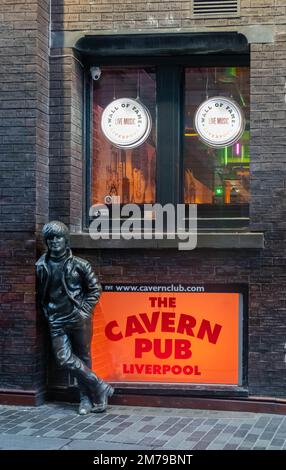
x=104 y=391
x=99 y=390
x=85 y=405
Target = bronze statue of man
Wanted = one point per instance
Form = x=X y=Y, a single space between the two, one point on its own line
x=68 y=290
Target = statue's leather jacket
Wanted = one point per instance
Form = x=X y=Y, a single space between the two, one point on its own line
x=78 y=279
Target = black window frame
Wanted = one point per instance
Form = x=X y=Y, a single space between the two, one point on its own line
x=170 y=102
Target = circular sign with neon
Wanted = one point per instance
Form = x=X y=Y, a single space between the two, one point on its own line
x=126 y=123
x=219 y=122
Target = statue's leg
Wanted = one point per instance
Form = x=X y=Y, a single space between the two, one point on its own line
x=81 y=337
x=81 y=344
x=65 y=357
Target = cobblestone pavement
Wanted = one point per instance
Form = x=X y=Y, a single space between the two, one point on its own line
x=58 y=426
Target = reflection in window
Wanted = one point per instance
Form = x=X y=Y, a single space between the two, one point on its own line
x=127 y=173
x=215 y=176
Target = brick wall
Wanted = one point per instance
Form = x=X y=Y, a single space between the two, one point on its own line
x=66 y=142
x=265 y=280
x=28 y=115
x=133 y=15
x=267 y=328
x=60 y=136
x=24 y=131
x=263 y=271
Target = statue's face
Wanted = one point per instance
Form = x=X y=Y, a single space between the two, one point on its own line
x=57 y=245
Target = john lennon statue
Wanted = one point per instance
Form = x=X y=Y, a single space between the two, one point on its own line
x=68 y=291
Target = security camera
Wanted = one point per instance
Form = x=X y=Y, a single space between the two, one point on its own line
x=95 y=73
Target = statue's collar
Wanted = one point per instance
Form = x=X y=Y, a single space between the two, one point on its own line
x=59 y=259
x=45 y=258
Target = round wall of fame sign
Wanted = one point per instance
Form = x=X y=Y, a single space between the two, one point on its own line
x=126 y=123
x=219 y=122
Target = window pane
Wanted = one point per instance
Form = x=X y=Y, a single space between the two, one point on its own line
x=215 y=176
x=127 y=173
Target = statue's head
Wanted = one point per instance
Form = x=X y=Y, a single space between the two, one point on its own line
x=56 y=236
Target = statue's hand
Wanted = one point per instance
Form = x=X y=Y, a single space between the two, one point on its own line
x=84 y=315
x=80 y=313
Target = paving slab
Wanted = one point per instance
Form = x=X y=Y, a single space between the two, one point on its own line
x=10 y=442
x=58 y=426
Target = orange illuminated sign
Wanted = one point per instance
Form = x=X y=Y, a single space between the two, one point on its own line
x=168 y=337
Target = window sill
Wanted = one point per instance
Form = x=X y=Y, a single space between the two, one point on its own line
x=180 y=389
x=218 y=240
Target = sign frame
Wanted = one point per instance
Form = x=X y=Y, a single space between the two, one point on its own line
x=242 y=331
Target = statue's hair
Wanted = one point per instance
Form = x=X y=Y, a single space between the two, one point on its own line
x=55 y=228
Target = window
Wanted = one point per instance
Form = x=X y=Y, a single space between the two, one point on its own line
x=215 y=176
x=173 y=164
x=127 y=173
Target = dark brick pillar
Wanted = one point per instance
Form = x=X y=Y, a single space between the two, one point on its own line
x=267 y=326
x=24 y=128
x=66 y=126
